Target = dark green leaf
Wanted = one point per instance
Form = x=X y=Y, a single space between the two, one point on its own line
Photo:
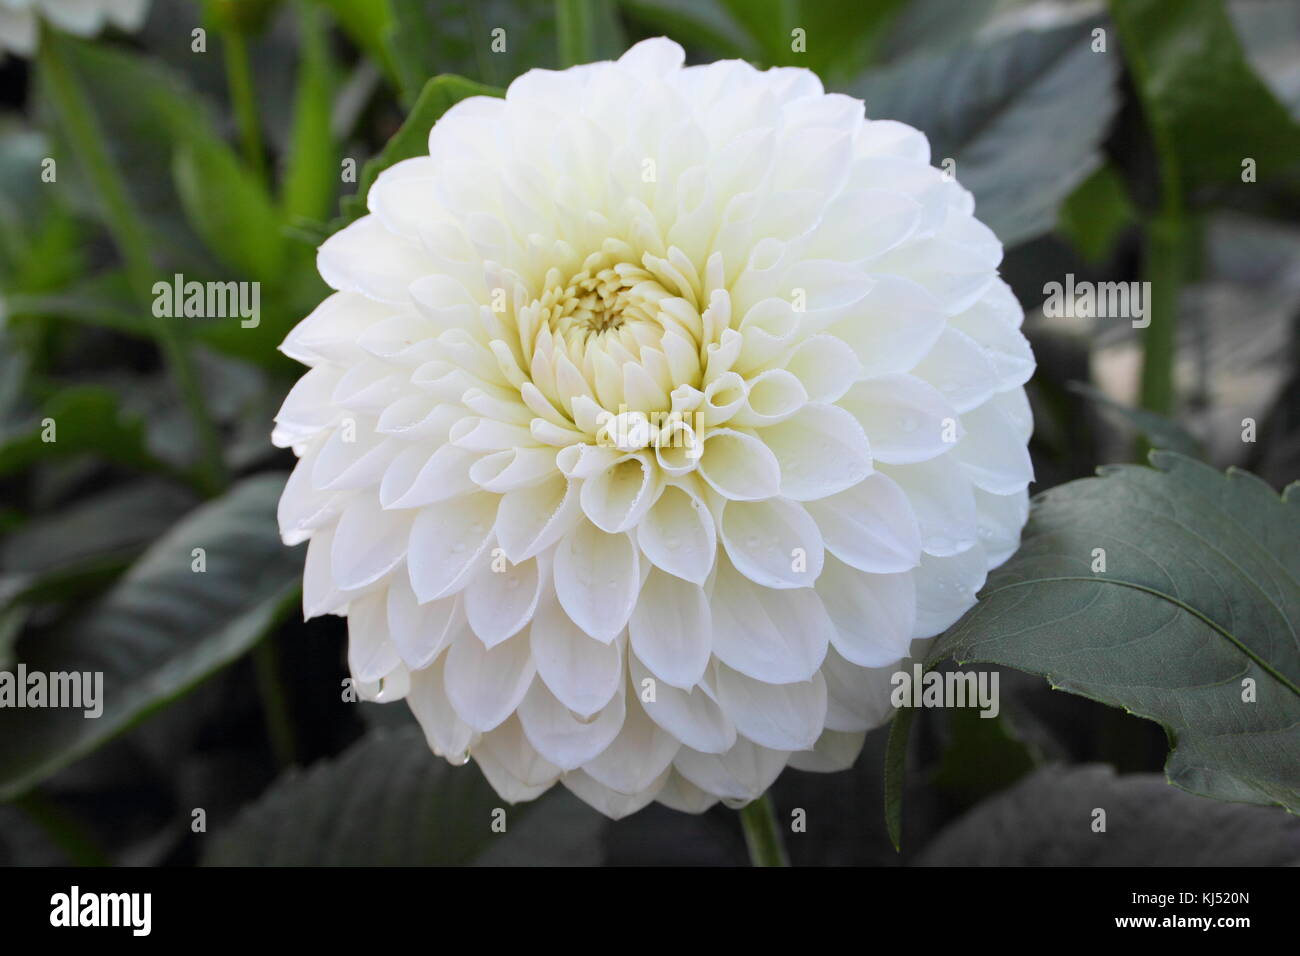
x=84 y=419
x=160 y=630
x=1048 y=819
x=388 y=801
x=1192 y=623
x=230 y=209
x=1022 y=116
x=1207 y=108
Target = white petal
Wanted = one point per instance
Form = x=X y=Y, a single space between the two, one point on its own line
x=499 y=603
x=368 y=543
x=564 y=738
x=671 y=629
x=681 y=795
x=774 y=543
x=743 y=773
x=894 y=327
x=582 y=672
x=942 y=499
x=775 y=636
x=638 y=756
x=508 y=747
x=822 y=450
x=447 y=539
x=871 y=526
x=485 y=686
x=835 y=751
x=857 y=697
x=780 y=716
x=739 y=466
x=597 y=577
x=906 y=419
x=617 y=498
x=371 y=654
x=532 y=519
x=678 y=535
x=692 y=716
x=992 y=454
x=960 y=369
x=1001 y=518
x=447 y=734
x=613 y=804
x=946 y=589
x=421 y=631
x=367 y=258
x=874 y=614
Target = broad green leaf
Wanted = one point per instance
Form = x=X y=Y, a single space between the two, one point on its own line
x=230 y=209
x=1022 y=116
x=53 y=554
x=1207 y=108
x=1047 y=820
x=160 y=630
x=1159 y=431
x=439 y=95
x=1192 y=623
x=84 y=419
x=388 y=801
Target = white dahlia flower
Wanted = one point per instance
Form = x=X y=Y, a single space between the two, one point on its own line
x=657 y=412
x=18 y=19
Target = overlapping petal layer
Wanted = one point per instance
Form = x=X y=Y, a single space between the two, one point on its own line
x=657 y=411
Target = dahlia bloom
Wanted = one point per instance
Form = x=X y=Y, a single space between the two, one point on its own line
x=657 y=412
x=86 y=18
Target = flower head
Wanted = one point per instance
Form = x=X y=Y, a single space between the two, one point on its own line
x=657 y=412
x=86 y=18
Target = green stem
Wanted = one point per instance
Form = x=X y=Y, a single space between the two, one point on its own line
x=575 y=27
x=125 y=226
x=243 y=96
x=275 y=707
x=762 y=836
x=1163 y=255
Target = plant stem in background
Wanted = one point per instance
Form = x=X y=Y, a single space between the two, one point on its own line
x=762 y=836
x=128 y=232
x=575 y=27
x=243 y=96
x=1162 y=267
x=275 y=708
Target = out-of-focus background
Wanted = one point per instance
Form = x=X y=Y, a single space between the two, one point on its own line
x=1152 y=140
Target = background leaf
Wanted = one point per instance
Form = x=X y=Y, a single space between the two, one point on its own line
x=388 y=801
x=1023 y=116
x=160 y=630
x=1046 y=820
x=1201 y=591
